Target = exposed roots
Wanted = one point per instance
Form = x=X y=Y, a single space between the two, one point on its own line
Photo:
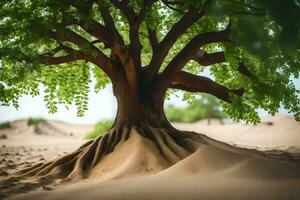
x=119 y=153
x=124 y=152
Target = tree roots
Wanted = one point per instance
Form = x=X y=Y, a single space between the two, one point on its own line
x=172 y=146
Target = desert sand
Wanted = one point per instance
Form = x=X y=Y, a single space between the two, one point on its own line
x=227 y=166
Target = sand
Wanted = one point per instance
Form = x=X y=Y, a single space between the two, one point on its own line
x=279 y=132
x=27 y=145
x=214 y=171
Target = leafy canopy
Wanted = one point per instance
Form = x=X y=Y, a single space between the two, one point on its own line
x=265 y=37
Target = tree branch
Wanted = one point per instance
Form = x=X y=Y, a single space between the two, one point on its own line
x=192 y=83
x=71 y=36
x=135 y=43
x=170 y=5
x=132 y=56
x=189 y=51
x=176 y=31
x=92 y=27
x=126 y=10
x=244 y=70
x=206 y=59
x=109 y=22
x=102 y=33
x=83 y=8
x=100 y=59
x=135 y=21
x=153 y=39
x=50 y=60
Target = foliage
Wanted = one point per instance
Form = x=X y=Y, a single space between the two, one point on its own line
x=265 y=34
x=200 y=108
x=5 y=125
x=99 y=129
x=34 y=121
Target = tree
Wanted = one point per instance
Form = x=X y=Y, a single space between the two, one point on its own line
x=204 y=107
x=144 y=48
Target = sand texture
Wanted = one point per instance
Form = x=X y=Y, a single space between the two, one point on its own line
x=240 y=162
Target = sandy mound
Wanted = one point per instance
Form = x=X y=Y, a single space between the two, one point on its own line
x=214 y=171
x=134 y=154
x=24 y=148
x=47 y=128
x=280 y=132
x=63 y=129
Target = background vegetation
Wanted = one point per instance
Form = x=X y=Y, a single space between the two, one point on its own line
x=203 y=107
x=5 y=125
x=99 y=129
x=34 y=121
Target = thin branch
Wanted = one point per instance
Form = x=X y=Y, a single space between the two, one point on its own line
x=135 y=21
x=102 y=33
x=96 y=41
x=192 y=83
x=109 y=22
x=54 y=51
x=238 y=13
x=50 y=60
x=71 y=36
x=90 y=26
x=46 y=58
x=153 y=39
x=126 y=10
x=244 y=70
x=100 y=59
x=206 y=59
x=135 y=43
x=175 y=32
x=170 y=4
x=83 y=8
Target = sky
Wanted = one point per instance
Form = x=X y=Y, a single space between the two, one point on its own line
x=101 y=106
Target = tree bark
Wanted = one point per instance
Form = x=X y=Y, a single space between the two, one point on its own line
x=142 y=107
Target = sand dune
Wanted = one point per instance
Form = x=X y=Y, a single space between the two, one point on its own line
x=280 y=132
x=212 y=172
x=25 y=147
x=50 y=128
x=215 y=171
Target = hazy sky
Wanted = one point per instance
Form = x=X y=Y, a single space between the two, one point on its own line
x=101 y=106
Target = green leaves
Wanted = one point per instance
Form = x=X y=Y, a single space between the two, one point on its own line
x=265 y=37
x=66 y=84
x=101 y=79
